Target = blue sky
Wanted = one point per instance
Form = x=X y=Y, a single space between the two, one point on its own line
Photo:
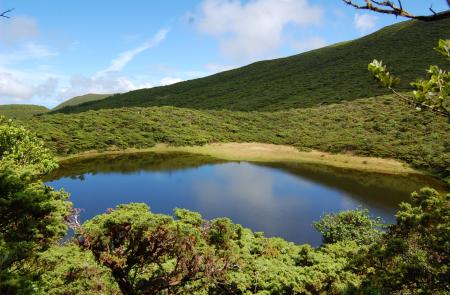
x=53 y=50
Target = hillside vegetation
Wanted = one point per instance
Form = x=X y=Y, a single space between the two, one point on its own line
x=81 y=99
x=382 y=127
x=131 y=250
x=21 y=111
x=328 y=75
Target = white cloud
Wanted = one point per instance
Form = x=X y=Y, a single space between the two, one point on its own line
x=26 y=51
x=310 y=44
x=124 y=58
x=13 y=89
x=169 y=80
x=17 y=29
x=106 y=83
x=253 y=30
x=365 y=22
x=110 y=80
x=216 y=68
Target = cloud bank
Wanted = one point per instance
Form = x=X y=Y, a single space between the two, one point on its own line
x=255 y=29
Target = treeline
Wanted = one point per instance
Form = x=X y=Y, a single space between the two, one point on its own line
x=130 y=250
x=380 y=127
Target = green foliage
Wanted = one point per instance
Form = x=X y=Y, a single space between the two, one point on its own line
x=67 y=270
x=31 y=214
x=414 y=255
x=361 y=127
x=149 y=253
x=21 y=148
x=81 y=99
x=433 y=93
x=21 y=111
x=328 y=75
x=355 y=225
x=380 y=72
x=139 y=252
x=444 y=48
x=145 y=246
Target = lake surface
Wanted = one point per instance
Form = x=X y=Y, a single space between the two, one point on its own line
x=281 y=199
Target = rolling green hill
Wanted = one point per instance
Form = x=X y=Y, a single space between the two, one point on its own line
x=81 y=99
x=21 y=111
x=328 y=75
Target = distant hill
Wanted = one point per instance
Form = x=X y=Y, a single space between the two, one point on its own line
x=21 y=111
x=328 y=75
x=81 y=99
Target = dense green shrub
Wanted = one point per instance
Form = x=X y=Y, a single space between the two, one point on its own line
x=414 y=255
x=31 y=214
x=355 y=225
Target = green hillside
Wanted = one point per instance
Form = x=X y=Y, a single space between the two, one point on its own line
x=382 y=127
x=81 y=99
x=328 y=75
x=21 y=111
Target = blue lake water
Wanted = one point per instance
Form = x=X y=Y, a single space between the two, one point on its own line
x=280 y=199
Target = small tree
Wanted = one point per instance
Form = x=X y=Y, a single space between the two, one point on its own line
x=354 y=225
x=32 y=215
x=413 y=257
x=149 y=253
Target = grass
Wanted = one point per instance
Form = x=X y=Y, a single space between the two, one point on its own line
x=324 y=76
x=21 y=111
x=265 y=153
x=380 y=127
x=81 y=99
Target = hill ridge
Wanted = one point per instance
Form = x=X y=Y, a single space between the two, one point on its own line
x=331 y=74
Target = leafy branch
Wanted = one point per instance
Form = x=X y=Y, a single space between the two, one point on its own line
x=432 y=94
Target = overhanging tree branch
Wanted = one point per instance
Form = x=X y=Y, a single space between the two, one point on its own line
x=5 y=13
x=420 y=105
x=389 y=7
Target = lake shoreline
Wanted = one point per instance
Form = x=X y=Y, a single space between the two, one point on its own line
x=259 y=152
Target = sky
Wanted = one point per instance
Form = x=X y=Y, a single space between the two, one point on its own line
x=53 y=50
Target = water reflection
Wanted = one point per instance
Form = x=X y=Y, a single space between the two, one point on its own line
x=278 y=199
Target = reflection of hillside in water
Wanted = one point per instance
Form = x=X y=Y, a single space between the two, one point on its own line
x=281 y=199
x=129 y=164
x=374 y=189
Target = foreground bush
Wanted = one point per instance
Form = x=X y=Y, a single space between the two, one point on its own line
x=31 y=214
x=414 y=256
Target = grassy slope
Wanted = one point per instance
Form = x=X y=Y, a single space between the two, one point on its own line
x=81 y=99
x=328 y=75
x=381 y=127
x=21 y=111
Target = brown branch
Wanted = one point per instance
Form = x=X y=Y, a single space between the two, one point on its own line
x=4 y=13
x=388 y=7
x=417 y=104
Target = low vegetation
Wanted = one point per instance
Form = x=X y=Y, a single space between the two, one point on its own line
x=130 y=250
x=21 y=111
x=361 y=127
